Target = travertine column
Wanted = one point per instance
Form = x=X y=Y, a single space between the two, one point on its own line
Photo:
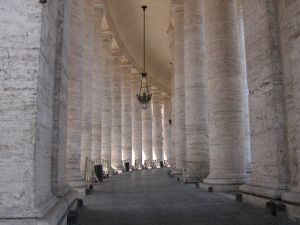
x=266 y=100
x=106 y=97
x=246 y=121
x=126 y=112
x=225 y=95
x=74 y=122
x=291 y=54
x=156 y=124
x=167 y=129
x=116 y=123
x=196 y=114
x=27 y=68
x=97 y=81
x=60 y=104
x=87 y=84
x=179 y=96
x=137 y=143
x=147 y=133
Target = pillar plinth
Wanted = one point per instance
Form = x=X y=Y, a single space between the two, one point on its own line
x=225 y=96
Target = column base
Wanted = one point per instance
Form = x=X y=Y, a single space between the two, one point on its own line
x=55 y=215
x=225 y=184
x=193 y=177
x=177 y=172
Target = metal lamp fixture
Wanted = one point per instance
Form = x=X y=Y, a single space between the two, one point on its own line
x=144 y=96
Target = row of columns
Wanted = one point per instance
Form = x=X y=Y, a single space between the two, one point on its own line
x=210 y=95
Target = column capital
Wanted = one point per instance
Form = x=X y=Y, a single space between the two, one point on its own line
x=135 y=75
x=155 y=90
x=125 y=64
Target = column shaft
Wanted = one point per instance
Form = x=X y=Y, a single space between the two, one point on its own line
x=137 y=144
x=156 y=125
x=98 y=72
x=126 y=114
x=225 y=95
x=106 y=97
x=266 y=100
x=147 y=133
x=167 y=129
x=196 y=113
x=116 y=125
x=179 y=96
x=87 y=84
x=246 y=121
x=75 y=95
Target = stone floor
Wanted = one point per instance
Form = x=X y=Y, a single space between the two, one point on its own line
x=151 y=197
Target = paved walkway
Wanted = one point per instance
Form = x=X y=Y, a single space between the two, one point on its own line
x=151 y=197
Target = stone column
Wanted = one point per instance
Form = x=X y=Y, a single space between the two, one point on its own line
x=74 y=122
x=291 y=53
x=266 y=100
x=167 y=129
x=27 y=70
x=196 y=113
x=87 y=84
x=60 y=104
x=179 y=96
x=156 y=125
x=97 y=81
x=126 y=112
x=137 y=144
x=106 y=97
x=225 y=96
x=246 y=121
x=116 y=124
x=147 y=133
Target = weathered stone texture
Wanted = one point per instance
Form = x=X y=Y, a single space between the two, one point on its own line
x=74 y=121
x=266 y=100
x=27 y=59
x=60 y=101
x=147 y=133
x=156 y=125
x=136 y=118
x=247 y=145
x=87 y=83
x=116 y=124
x=126 y=113
x=167 y=129
x=179 y=95
x=106 y=97
x=225 y=94
x=98 y=71
x=196 y=114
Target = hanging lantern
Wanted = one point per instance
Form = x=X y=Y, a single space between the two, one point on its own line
x=144 y=95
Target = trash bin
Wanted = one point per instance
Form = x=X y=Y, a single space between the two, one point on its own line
x=127 y=167
x=99 y=172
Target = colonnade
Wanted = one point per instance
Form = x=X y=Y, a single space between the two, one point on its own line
x=70 y=94
x=234 y=60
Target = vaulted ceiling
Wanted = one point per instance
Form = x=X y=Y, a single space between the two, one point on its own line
x=127 y=18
